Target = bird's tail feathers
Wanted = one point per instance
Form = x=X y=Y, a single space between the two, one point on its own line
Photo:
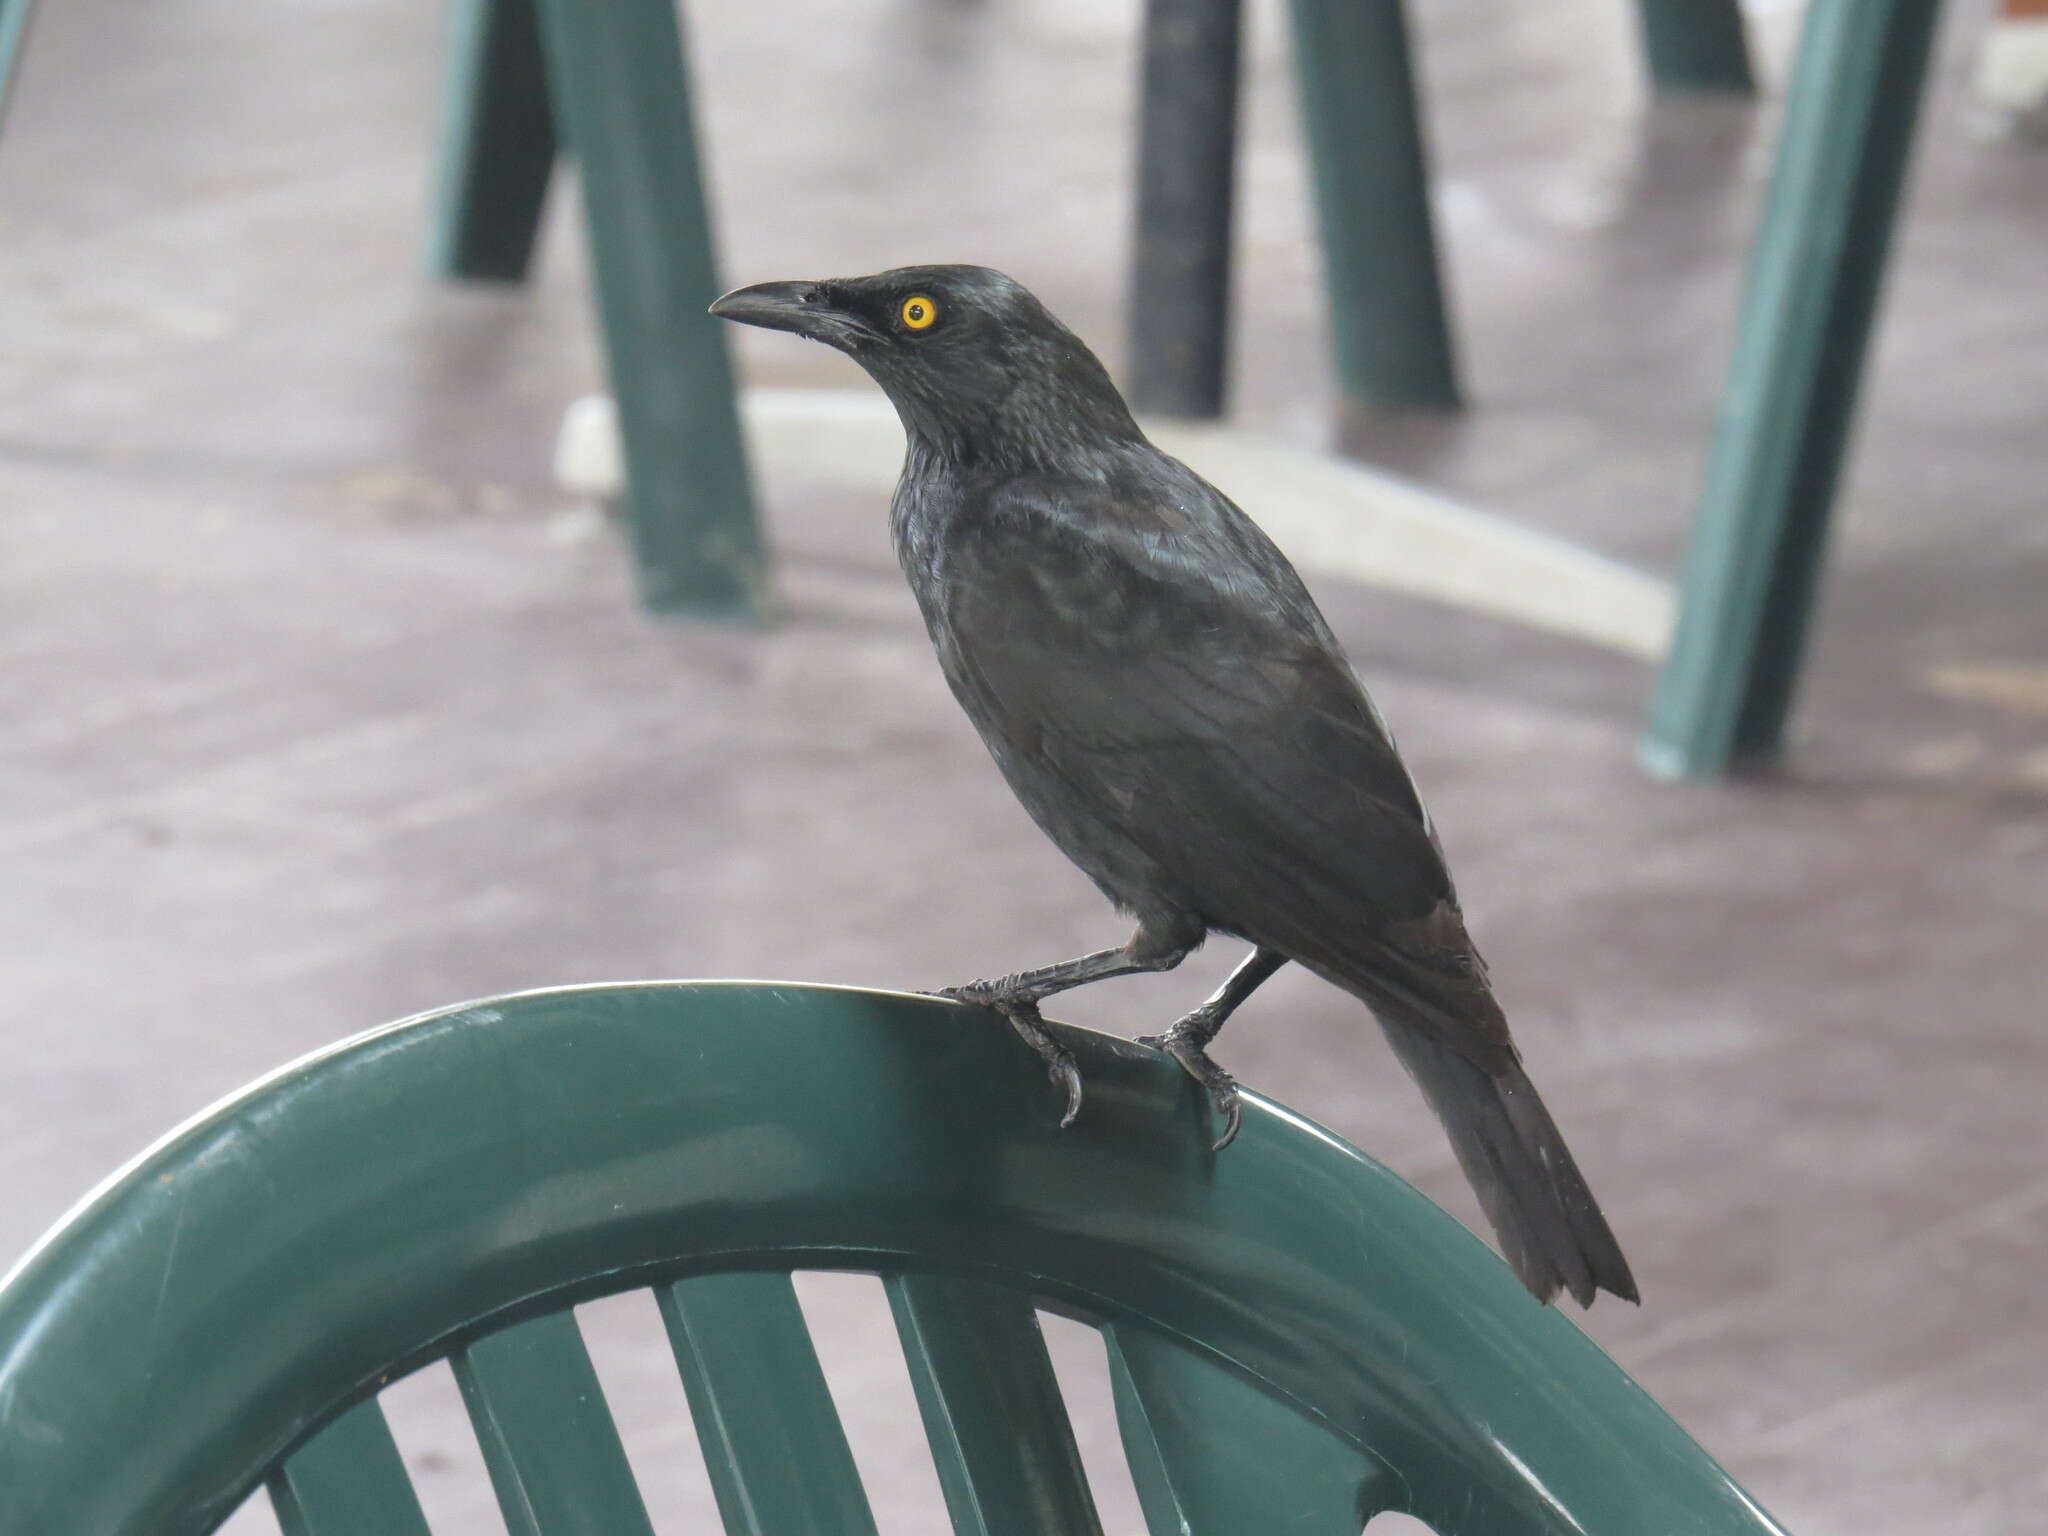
x=1550 y=1227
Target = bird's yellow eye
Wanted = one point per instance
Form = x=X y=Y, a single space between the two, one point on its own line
x=919 y=312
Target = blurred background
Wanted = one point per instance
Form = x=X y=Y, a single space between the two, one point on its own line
x=321 y=703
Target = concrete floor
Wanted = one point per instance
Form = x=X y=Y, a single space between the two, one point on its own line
x=319 y=706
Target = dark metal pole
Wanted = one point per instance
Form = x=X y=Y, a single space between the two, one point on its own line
x=1814 y=279
x=1187 y=147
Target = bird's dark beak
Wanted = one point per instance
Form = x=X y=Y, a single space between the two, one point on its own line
x=777 y=306
x=804 y=308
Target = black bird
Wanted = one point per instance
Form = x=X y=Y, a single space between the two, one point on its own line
x=1165 y=698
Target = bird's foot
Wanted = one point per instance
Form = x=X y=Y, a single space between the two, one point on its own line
x=1001 y=993
x=1184 y=1043
x=1025 y=1018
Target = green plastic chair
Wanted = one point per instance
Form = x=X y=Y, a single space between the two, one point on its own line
x=1816 y=272
x=615 y=80
x=14 y=19
x=1297 y=1339
x=1361 y=121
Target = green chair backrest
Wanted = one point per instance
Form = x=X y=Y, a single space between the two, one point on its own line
x=1297 y=1339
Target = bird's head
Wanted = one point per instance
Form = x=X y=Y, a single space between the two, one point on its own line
x=977 y=367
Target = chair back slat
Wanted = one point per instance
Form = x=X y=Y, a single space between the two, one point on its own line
x=1211 y=1455
x=772 y=1441
x=547 y=1435
x=992 y=1408
x=348 y=1480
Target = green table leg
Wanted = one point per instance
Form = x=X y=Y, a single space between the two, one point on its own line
x=497 y=144
x=1361 y=121
x=14 y=15
x=621 y=92
x=1813 y=285
x=1697 y=45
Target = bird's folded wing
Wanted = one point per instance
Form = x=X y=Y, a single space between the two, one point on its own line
x=1181 y=680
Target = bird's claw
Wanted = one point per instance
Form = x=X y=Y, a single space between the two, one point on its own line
x=1029 y=1024
x=1220 y=1085
x=1063 y=1070
x=1228 y=1105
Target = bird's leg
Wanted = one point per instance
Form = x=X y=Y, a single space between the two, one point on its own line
x=1154 y=947
x=1034 y=986
x=1187 y=1038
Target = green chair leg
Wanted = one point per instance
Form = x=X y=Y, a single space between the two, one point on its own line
x=621 y=92
x=497 y=144
x=14 y=15
x=1813 y=285
x=1360 y=118
x=1697 y=45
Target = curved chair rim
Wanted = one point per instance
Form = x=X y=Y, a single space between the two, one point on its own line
x=377 y=1203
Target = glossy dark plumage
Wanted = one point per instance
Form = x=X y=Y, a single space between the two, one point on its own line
x=1165 y=698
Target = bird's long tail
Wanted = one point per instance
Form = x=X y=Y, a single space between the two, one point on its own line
x=1550 y=1227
